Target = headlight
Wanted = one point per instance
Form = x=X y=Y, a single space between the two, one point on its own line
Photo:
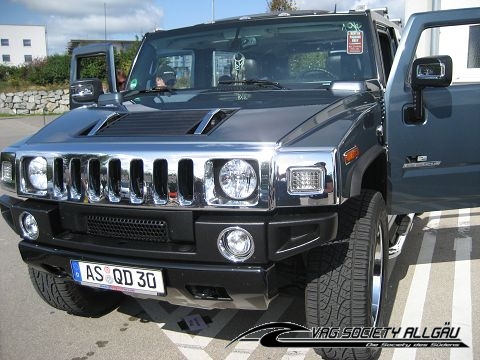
x=37 y=173
x=237 y=179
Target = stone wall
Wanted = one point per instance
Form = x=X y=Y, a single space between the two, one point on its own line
x=34 y=102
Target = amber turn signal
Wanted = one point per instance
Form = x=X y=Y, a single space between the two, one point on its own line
x=351 y=155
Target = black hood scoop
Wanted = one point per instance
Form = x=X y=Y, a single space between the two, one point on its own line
x=160 y=123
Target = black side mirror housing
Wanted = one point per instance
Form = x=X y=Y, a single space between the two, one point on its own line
x=432 y=71
x=84 y=92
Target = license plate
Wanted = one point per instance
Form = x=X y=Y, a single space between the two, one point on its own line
x=119 y=278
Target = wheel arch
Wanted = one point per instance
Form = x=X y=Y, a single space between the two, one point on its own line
x=369 y=172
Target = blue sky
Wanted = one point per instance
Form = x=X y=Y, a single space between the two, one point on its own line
x=126 y=19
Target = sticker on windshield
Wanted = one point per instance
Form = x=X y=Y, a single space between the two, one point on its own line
x=133 y=84
x=354 y=42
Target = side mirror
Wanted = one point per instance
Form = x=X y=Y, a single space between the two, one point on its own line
x=84 y=92
x=431 y=71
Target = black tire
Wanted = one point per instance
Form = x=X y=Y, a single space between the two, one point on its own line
x=340 y=289
x=64 y=294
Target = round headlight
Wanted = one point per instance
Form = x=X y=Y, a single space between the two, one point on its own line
x=235 y=244
x=37 y=173
x=237 y=179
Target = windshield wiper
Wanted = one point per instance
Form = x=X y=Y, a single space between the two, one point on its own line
x=257 y=82
x=163 y=89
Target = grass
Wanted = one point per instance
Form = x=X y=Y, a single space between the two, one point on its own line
x=22 y=85
x=27 y=115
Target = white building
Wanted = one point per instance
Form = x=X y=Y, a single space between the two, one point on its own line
x=20 y=44
x=462 y=43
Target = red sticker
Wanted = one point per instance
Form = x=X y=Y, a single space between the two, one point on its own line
x=354 y=42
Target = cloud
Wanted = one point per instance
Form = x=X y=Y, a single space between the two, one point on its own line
x=67 y=20
x=78 y=9
x=396 y=9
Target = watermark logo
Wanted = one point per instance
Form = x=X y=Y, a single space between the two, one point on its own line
x=287 y=334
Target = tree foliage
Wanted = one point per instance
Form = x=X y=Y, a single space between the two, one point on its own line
x=124 y=59
x=54 y=69
x=281 y=5
x=302 y=63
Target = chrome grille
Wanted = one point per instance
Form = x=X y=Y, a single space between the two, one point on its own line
x=147 y=230
x=116 y=179
x=149 y=176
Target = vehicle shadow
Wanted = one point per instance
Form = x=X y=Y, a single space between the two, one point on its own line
x=220 y=324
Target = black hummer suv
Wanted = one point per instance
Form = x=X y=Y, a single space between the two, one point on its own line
x=242 y=156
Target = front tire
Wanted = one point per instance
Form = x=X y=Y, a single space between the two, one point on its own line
x=346 y=280
x=64 y=294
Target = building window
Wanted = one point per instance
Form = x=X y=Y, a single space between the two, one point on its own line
x=28 y=58
x=27 y=42
x=474 y=47
x=6 y=58
x=5 y=42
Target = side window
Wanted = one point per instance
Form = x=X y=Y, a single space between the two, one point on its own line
x=473 y=47
x=461 y=43
x=387 y=47
x=222 y=66
x=93 y=67
x=176 y=70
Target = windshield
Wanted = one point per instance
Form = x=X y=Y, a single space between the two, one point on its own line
x=277 y=54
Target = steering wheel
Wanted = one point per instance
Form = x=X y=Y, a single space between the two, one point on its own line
x=317 y=75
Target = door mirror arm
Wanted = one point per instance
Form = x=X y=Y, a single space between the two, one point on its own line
x=431 y=71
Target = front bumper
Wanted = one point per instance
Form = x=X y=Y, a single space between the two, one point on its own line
x=195 y=273
x=195 y=285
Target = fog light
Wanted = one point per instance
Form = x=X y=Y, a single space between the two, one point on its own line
x=29 y=226
x=235 y=244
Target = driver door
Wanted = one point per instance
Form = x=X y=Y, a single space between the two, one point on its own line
x=92 y=73
x=434 y=141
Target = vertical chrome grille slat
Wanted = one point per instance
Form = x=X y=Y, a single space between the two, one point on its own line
x=125 y=178
x=93 y=180
x=160 y=181
x=59 y=185
x=136 y=181
x=114 y=180
x=75 y=179
x=103 y=190
x=185 y=181
x=172 y=182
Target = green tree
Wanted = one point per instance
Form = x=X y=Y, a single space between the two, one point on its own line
x=302 y=63
x=281 y=5
x=124 y=59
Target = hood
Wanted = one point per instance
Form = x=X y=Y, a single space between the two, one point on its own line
x=142 y=124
